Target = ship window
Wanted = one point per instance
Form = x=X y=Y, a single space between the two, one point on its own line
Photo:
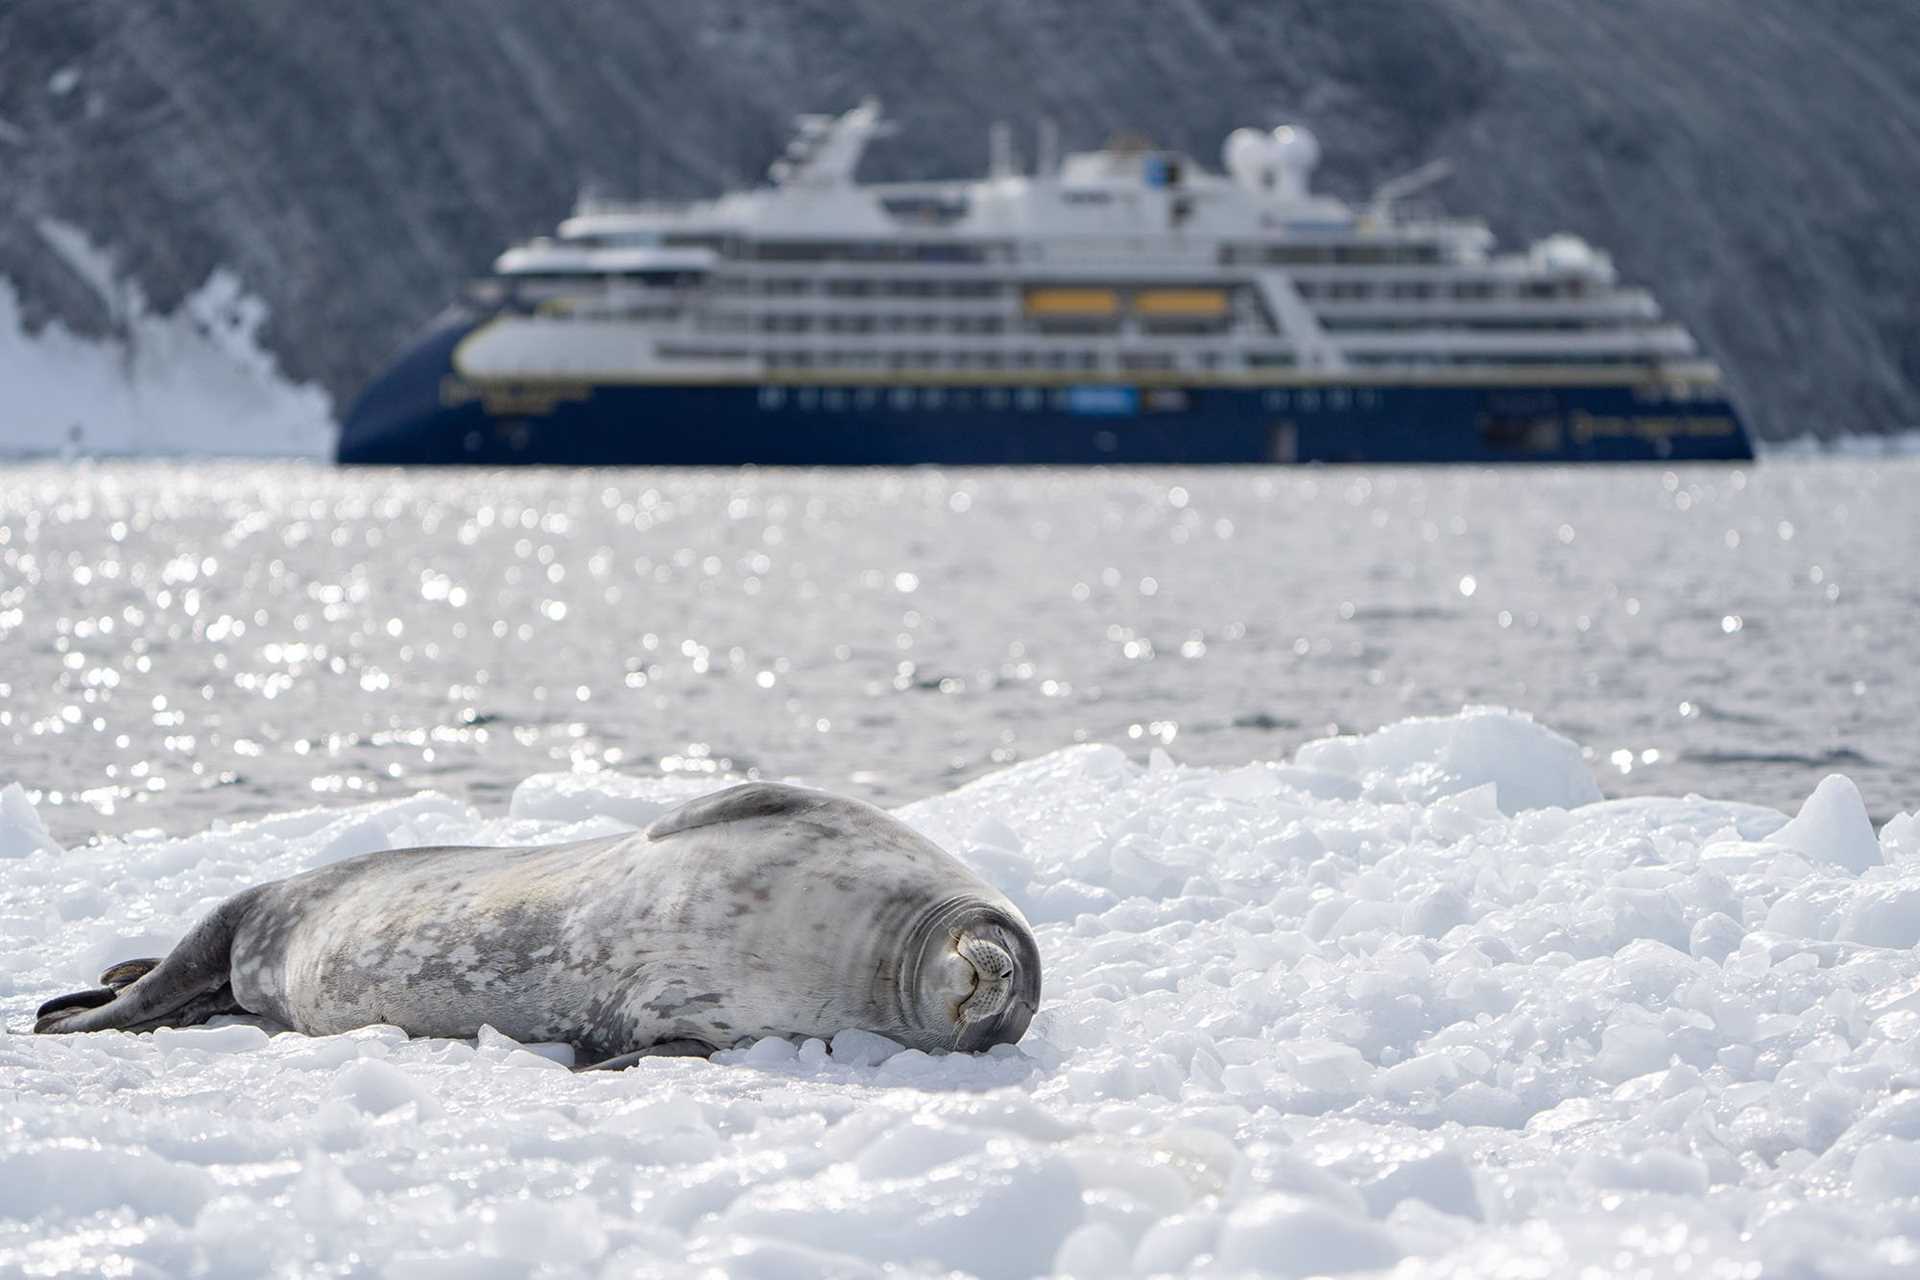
x=1030 y=398
x=773 y=397
x=927 y=210
x=1087 y=197
x=1275 y=399
x=835 y=399
x=995 y=398
x=865 y=398
x=901 y=397
x=933 y=397
x=662 y=279
x=808 y=398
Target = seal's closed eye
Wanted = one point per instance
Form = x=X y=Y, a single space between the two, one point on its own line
x=736 y=804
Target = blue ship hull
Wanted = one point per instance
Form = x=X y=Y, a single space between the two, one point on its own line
x=422 y=411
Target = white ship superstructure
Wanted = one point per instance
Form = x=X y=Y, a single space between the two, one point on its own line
x=1118 y=282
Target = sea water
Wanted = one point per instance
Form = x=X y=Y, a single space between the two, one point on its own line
x=184 y=643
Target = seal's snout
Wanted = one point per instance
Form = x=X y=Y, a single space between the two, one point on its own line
x=974 y=980
x=992 y=981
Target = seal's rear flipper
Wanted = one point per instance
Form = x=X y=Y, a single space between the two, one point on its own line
x=128 y=972
x=60 y=1008
x=665 y=1049
x=57 y=1010
x=189 y=986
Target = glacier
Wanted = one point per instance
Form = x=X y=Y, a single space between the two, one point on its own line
x=192 y=380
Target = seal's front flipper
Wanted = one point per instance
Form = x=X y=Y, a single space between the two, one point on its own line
x=665 y=1049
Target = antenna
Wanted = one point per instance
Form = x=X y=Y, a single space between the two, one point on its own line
x=1048 y=160
x=1405 y=185
x=1001 y=161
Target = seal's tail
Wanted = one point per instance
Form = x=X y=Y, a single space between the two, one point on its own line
x=993 y=978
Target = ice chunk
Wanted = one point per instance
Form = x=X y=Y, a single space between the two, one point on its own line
x=1900 y=838
x=560 y=1232
x=237 y=1037
x=1096 y=1249
x=1284 y=1235
x=1003 y=1214
x=1425 y=758
x=770 y=1051
x=376 y=1087
x=21 y=830
x=54 y=1183
x=853 y=1048
x=1441 y=1179
x=1833 y=827
x=1883 y=915
x=1887 y=1168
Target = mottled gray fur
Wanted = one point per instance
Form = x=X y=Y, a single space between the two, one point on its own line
x=761 y=910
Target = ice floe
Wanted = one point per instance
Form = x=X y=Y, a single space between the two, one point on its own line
x=1418 y=999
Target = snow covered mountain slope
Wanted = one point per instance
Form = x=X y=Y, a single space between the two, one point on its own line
x=351 y=162
x=1417 y=996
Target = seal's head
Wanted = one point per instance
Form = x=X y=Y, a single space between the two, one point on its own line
x=970 y=977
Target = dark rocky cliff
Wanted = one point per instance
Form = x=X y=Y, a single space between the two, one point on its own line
x=1754 y=162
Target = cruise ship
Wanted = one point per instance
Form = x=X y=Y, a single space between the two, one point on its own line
x=1124 y=305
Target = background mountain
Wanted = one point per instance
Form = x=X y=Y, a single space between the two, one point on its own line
x=351 y=162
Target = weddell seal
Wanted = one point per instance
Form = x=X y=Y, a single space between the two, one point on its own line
x=761 y=910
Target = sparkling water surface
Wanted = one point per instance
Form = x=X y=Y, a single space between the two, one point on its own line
x=187 y=643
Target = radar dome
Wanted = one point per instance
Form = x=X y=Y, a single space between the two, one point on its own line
x=1272 y=160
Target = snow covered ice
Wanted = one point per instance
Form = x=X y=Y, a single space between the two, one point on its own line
x=1419 y=1001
